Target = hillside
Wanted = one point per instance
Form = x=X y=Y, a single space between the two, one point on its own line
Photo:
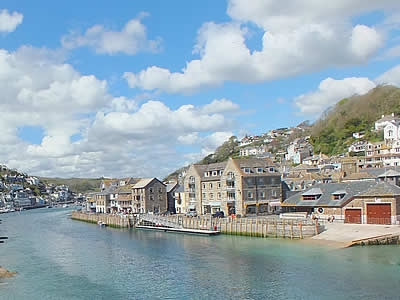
x=332 y=133
x=77 y=185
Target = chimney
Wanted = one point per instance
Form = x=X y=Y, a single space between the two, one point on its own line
x=383 y=116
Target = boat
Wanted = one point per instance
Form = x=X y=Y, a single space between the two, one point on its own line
x=65 y=205
x=101 y=224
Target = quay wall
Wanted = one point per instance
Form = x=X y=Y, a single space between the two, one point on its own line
x=110 y=220
x=255 y=227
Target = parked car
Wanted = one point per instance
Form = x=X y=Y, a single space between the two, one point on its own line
x=191 y=213
x=218 y=214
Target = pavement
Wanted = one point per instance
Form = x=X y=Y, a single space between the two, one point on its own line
x=342 y=235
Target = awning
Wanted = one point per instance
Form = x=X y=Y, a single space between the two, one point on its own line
x=191 y=207
x=275 y=203
x=215 y=203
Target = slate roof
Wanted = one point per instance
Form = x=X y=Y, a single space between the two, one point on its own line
x=351 y=189
x=143 y=183
x=359 y=176
x=254 y=163
x=390 y=173
x=171 y=186
x=378 y=171
x=202 y=169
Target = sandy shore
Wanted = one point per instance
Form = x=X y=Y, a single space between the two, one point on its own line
x=4 y=273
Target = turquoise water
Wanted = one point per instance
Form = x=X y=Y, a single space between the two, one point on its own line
x=57 y=258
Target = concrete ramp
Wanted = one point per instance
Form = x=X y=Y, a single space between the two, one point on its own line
x=349 y=234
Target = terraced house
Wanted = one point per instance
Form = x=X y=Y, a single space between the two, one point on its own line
x=238 y=186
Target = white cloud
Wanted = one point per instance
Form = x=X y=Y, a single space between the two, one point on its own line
x=131 y=39
x=221 y=106
x=391 y=76
x=329 y=92
x=9 y=21
x=299 y=37
x=87 y=131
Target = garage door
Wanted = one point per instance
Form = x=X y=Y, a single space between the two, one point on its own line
x=379 y=213
x=352 y=216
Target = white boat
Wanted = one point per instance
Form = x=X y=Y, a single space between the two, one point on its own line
x=65 y=205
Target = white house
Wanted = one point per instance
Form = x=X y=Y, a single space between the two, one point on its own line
x=391 y=132
x=386 y=120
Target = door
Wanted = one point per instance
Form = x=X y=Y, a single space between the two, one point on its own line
x=379 y=213
x=352 y=216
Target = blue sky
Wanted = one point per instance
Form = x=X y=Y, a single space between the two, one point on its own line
x=141 y=88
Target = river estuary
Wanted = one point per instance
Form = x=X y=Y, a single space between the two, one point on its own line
x=58 y=258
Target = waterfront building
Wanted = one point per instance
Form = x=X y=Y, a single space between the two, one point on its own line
x=362 y=202
x=202 y=185
x=171 y=188
x=181 y=200
x=238 y=186
x=103 y=203
x=251 y=186
x=149 y=195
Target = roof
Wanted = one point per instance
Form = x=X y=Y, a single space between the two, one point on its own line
x=171 y=186
x=202 y=169
x=349 y=189
x=312 y=191
x=382 y=189
x=378 y=171
x=142 y=183
x=254 y=163
x=390 y=173
x=359 y=176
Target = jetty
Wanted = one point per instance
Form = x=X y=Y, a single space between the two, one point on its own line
x=180 y=230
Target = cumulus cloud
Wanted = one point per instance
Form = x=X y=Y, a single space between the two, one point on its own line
x=9 y=21
x=299 y=37
x=89 y=132
x=329 y=92
x=131 y=39
x=391 y=76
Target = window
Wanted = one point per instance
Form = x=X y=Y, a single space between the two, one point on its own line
x=204 y=195
x=151 y=190
x=160 y=190
x=272 y=170
x=204 y=185
x=247 y=170
x=191 y=179
x=219 y=195
x=219 y=185
x=262 y=195
x=273 y=193
x=211 y=186
x=211 y=196
x=259 y=170
x=152 y=198
x=311 y=197
x=250 y=195
x=206 y=174
x=214 y=173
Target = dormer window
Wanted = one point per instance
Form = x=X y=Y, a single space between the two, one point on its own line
x=259 y=170
x=206 y=174
x=247 y=170
x=313 y=194
x=338 y=195
x=214 y=173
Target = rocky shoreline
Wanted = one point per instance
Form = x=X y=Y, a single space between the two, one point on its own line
x=4 y=273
